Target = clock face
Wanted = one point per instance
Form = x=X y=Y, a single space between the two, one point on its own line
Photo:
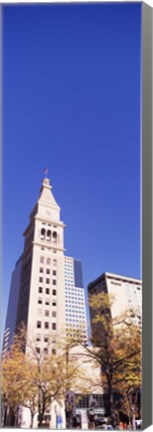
x=48 y=213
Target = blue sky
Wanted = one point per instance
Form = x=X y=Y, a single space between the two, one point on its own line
x=71 y=101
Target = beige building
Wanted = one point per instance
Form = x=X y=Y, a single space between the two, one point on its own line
x=125 y=292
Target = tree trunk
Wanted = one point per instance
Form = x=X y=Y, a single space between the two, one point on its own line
x=11 y=421
x=32 y=418
x=110 y=399
x=40 y=419
x=5 y=408
x=41 y=413
x=133 y=421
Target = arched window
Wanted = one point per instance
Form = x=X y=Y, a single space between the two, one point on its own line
x=48 y=235
x=42 y=235
x=54 y=238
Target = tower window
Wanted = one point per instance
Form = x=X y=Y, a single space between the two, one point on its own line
x=41 y=269
x=47 y=302
x=54 y=272
x=54 y=314
x=42 y=235
x=40 y=290
x=45 y=339
x=46 y=325
x=53 y=326
x=46 y=313
x=48 y=235
x=54 y=282
x=54 y=262
x=37 y=350
x=47 y=281
x=38 y=324
x=47 y=291
x=39 y=301
x=42 y=259
x=48 y=271
x=54 y=302
x=54 y=237
x=48 y=260
x=40 y=279
x=54 y=292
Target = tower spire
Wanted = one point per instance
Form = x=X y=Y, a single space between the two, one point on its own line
x=46 y=172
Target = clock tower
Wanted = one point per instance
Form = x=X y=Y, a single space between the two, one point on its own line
x=42 y=299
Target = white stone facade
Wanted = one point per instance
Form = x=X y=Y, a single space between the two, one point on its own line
x=47 y=299
x=50 y=297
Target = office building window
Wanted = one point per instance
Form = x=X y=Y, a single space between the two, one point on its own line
x=54 y=282
x=40 y=279
x=47 y=291
x=54 y=272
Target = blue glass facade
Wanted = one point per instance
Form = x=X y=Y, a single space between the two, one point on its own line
x=78 y=278
x=11 y=317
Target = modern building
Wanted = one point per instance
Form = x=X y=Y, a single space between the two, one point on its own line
x=11 y=318
x=75 y=310
x=126 y=294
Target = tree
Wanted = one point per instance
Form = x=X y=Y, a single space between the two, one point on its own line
x=116 y=347
x=53 y=374
x=13 y=367
x=34 y=377
x=30 y=399
x=129 y=388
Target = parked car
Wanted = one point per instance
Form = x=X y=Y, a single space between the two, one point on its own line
x=104 y=427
